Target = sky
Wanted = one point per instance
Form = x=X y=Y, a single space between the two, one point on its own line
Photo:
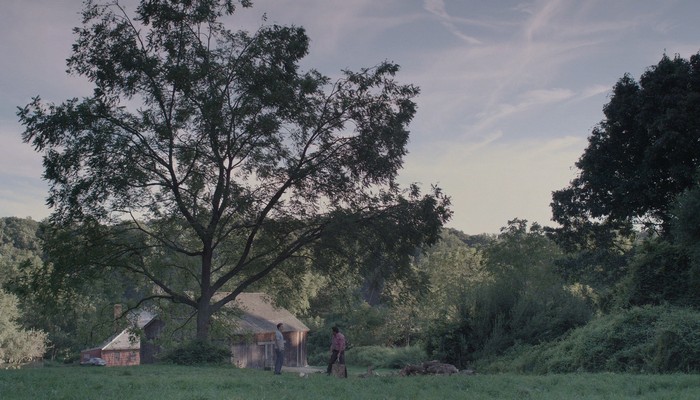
x=510 y=90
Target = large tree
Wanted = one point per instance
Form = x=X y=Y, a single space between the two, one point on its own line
x=640 y=157
x=222 y=157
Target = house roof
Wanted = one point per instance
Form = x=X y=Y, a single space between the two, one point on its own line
x=124 y=340
x=261 y=316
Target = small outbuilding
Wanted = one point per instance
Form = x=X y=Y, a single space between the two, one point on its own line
x=124 y=348
x=253 y=339
x=117 y=351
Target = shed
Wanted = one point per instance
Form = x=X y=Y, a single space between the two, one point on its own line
x=252 y=340
x=123 y=348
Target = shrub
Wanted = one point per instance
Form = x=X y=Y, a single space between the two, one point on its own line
x=493 y=318
x=318 y=358
x=520 y=300
x=407 y=355
x=451 y=343
x=198 y=352
x=386 y=357
x=662 y=273
x=676 y=342
x=17 y=345
x=659 y=339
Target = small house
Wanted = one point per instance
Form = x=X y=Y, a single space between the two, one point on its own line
x=124 y=348
x=253 y=339
x=118 y=351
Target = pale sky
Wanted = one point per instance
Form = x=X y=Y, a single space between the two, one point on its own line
x=510 y=90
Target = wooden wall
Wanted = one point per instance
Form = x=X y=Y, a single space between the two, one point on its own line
x=113 y=358
x=121 y=358
x=259 y=353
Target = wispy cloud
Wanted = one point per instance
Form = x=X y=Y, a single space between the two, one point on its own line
x=335 y=26
x=437 y=7
x=508 y=92
x=595 y=90
x=541 y=17
x=525 y=71
x=526 y=101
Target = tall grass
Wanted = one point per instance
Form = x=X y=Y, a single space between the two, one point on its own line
x=155 y=382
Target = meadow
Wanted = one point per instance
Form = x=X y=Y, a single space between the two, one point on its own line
x=169 y=382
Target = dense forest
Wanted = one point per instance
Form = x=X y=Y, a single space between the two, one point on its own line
x=207 y=162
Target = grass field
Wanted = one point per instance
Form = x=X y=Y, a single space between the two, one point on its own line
x=156 y=382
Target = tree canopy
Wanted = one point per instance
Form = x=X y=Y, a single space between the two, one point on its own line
x=205 y=158
x=641 y=156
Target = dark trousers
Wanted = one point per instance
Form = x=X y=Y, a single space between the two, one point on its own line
x=340 y=358
x=279 y=360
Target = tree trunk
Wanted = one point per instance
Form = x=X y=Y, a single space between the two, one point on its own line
x=203 y=318
x=205 y=295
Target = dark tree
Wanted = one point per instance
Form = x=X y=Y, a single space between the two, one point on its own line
x=225 y=159
x=639 y=158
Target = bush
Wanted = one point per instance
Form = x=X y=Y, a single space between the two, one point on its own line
x=451 y=343
x=662 y=273
x=318 y=358
x=198 y=352
x=376 y=356
x=17 y=345
x=493 y=318
x=519 y=300
x=659 y=339
x=386 y=357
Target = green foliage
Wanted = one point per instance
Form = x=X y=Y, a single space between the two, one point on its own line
x=494 y=320
x=686 y=216
x=386 y=357
x=453 y=267
x=74 y=309
x=639 y=171
x=363 y=326
x=198 y=352
x=641 y=156
x=686 y=231
x=17 y=345
x=522 y=300
x=659 y=339
x=599 y=269
x=20 y=249
x=19 y=234
x=73 y=318
x=661 y=273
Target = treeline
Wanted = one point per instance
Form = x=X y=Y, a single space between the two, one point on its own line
x=503 y=302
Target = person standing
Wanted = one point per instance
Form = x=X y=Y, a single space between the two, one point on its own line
x=279 y=349
x=337 y=350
